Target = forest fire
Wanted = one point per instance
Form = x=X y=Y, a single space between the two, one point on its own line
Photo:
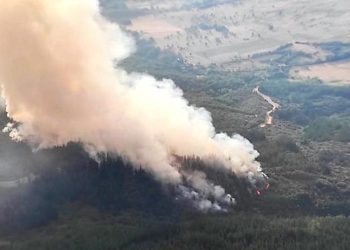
x=259 y=192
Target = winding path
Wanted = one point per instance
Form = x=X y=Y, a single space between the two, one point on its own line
x=269 y=114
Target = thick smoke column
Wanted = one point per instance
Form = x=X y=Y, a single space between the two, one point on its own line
x=60 y=84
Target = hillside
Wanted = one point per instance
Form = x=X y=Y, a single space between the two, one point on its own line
x=230 y=58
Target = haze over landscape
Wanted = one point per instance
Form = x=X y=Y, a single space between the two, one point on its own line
x=202 y=124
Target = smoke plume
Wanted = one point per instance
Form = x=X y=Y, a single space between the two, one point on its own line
x=60 y=85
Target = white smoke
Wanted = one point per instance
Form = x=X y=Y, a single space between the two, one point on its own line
x=60 y=85
x=204 y=194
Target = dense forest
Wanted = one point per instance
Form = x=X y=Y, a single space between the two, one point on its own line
x=84 y=205
x=111 y=185
x=74 y=202
x=62 y=198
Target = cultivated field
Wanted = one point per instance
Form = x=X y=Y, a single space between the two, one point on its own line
x=330 y=73
x=228 y=32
